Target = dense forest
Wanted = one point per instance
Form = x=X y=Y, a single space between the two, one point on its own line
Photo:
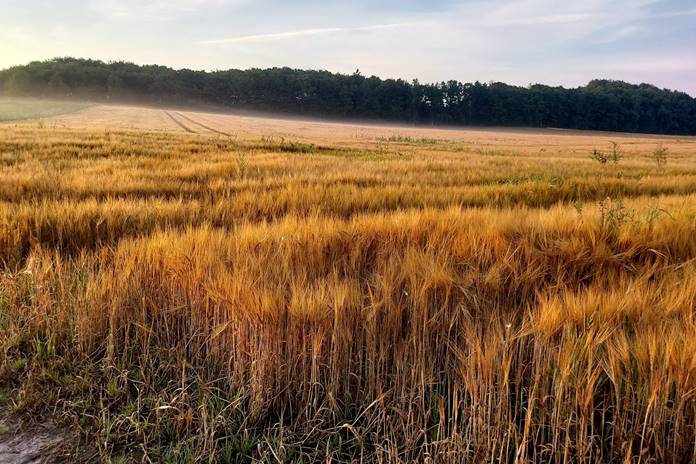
x=601 y=105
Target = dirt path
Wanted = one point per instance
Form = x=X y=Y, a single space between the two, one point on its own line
x=35 y=444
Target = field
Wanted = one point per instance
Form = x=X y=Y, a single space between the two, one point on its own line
x=190 y=287
x=17 y=109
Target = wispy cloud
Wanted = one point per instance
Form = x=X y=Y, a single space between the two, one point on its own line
x=255 y=38
x=615 y=36
x=675 y=14
x=153 y=10
x=538 y=20
x=661 y=64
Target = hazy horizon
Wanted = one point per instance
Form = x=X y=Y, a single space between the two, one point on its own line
x=517 y=42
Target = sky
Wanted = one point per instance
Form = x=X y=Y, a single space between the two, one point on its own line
x=520 y=42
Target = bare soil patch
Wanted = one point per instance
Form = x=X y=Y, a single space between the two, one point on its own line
x=35 y=443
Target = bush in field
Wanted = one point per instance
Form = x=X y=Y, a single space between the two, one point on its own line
x=660 y=156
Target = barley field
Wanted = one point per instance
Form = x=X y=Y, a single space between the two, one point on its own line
x=188 y=287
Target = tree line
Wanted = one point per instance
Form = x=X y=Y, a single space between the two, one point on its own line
x=600 y=105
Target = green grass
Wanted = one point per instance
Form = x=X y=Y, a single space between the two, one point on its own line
x=18 y=109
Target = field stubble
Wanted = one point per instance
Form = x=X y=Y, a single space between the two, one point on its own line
x=298 y=291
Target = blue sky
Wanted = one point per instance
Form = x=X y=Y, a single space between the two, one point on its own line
x=515 y=41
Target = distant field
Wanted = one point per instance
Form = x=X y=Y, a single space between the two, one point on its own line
x=18 y=109
x=191 y=287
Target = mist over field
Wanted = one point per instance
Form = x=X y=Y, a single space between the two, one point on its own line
x=600 y=105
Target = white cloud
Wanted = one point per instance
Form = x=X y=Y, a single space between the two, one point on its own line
x=652 y=64
x=538 y=20
x=616 y=35
x=302 y=33
x=674 y=14
x=155 y=9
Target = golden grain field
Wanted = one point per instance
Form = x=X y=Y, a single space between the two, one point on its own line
x=190 y=287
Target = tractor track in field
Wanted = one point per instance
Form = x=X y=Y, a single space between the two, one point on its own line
x=179 y=123
x=193 y=121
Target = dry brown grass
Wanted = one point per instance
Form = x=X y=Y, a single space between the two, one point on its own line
x=301 y=292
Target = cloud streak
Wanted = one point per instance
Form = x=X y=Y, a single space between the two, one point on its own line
x=256 y=38
x=676 y=14
x=540 y=20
